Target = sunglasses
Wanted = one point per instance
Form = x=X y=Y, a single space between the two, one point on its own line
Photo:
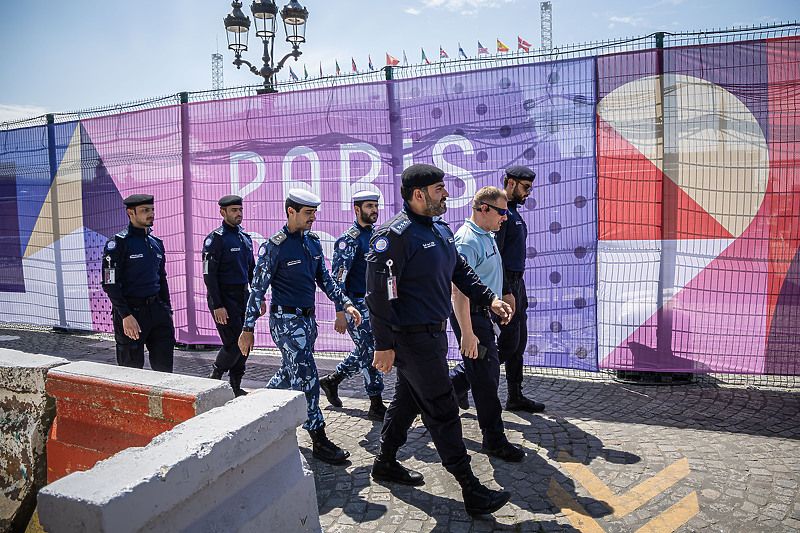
x=501 y=212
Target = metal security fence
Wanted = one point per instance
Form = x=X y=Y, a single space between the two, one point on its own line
x=663 y=241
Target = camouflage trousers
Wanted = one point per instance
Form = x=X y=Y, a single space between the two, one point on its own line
x=360 y=358
x=294 y=335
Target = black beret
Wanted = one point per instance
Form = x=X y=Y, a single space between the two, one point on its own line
x=421 y=175
x=229 y=200
x=518 y=172
x=138 y=199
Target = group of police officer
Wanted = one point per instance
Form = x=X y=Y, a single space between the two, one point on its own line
x=392 y=288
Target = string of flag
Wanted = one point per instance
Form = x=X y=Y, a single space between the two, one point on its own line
x=391 y=61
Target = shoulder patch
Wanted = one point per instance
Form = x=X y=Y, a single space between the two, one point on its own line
x=275 y=239
x=381 y=244
x=353 y=232
x=400 y=225
x=262 y=250
x=208 y=241
x=342 y=245
x=111 y=244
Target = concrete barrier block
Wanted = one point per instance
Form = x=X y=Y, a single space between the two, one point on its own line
x=103 y=409
x=236 y=468
x=26 y=414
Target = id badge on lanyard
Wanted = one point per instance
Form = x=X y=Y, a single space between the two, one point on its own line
x=109 y=274
x=391 y=282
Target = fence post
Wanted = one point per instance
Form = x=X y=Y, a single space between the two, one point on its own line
x=188 y=220
x=56 y=225
x=396 y=139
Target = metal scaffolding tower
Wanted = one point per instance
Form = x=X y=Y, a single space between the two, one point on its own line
x=547 y=26
x=217 y=82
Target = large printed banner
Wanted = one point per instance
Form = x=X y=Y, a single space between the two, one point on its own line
x=663 y=220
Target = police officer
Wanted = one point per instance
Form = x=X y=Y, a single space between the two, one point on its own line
x=135 y=280
x=349 y=270
x=410 y=266
x=227 y=270
x=291 y=262
x=473 y=326
x=510 y=238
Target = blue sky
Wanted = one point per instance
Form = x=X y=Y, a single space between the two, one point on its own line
x=61 y=56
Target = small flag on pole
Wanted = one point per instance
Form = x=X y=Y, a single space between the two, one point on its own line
x=305 y=73
x=320 y=69
x=425 y=59
x=461 y=51
x=442 y=53
x=370 y=63
x=501 y=47
x=391 y=61
x=354 y=64
x=482 y=49
x=293 y=75
x=405 y=59
x=523 y=45
x=338 y=71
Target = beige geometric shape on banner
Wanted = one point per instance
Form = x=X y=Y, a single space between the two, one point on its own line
x=66 y=189
x=710 y=145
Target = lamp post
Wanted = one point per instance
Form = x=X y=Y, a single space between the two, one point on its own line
x=237 y=26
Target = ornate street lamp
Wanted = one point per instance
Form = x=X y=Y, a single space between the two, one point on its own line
x=237 y=26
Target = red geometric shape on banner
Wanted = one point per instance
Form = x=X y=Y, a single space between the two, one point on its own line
x=626 y=174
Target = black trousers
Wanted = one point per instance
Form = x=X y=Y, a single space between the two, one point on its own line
x=483 y=376
x=230 y=358
x=423 y=387
x=513 y=337
x=158 y=334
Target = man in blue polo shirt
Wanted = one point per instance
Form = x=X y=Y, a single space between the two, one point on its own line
x=473 y=325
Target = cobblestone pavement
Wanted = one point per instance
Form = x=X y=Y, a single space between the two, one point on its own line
x=604 y=456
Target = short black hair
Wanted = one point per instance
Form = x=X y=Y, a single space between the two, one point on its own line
x=294 y=205
x=407 y=193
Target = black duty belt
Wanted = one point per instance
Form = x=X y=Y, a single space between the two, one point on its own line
x=479 y=310
x=288 y=310
x=513 y=276
x=236 y=287
x=357 y=294
x=421 y=328
x=140 y=302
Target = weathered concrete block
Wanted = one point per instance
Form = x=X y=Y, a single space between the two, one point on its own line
x=103 y=409
x=236 y=468
x=26 y=414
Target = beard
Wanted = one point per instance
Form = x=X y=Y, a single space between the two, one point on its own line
x=433 y=208
x=368 y=219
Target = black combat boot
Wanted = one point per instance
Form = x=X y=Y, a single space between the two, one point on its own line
x=330 y=386
x=216 y=374
x=386 y=468
x=507 y=452
x=324 y=449
x=517 y=402
x=376 y=408
x=236 y=385
x=478 y=499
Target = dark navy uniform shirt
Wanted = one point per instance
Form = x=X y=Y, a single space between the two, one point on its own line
x=349 y=265
x=227 y=260
x=138 y=260
x=511 y=240
x=292 y=263
x=424 y=262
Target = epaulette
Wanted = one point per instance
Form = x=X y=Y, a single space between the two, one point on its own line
x=400 y=225
x=122 y=234
x=443 y=221
x=156 y=238
x=313 y=235
x=353 y=232
x=219 y=231
x=278 y=238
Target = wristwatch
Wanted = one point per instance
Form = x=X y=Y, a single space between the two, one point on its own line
x=247 y=329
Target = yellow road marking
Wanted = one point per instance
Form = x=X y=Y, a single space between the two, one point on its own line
x=634 y=498
x=576 y=514
x=674 y=517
